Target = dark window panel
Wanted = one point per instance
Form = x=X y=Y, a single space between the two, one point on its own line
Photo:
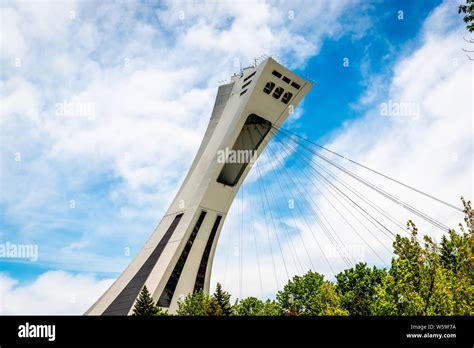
x=276 y=73
x=248 y=77
x=248 y=83
x=294 y=84
x=124 y=301
x=201 y=275
x=170 y=287
x=286 y=97
x=278 y=92
x=269 y=87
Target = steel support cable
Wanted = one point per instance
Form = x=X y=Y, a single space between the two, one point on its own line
x=362 y=197
x=365 y=214
x=229 y=241
x=405 y=205
x=409 y=207
x=362 y=211
x=295 y=258
x=273 y=223
x=370 y=169
x=357 y=193
x=293 y=218
x=270 y=211
x=293 y=252
x=266 y=223
x=256 y=251
x=329 y=189
x=330 y=232
x=241 y=228
x=327 y=199
x=259 y=182
x=241 y=249
x=332 y=236
x=268 y=232
x=256 y=248
x=347 y=221
x=306 y=222
x=275 y=174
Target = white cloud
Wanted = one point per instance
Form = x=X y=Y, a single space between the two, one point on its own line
x=12 y=42
x=52 y=293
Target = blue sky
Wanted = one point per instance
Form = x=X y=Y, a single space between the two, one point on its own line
x=374 y=53
x=88 y=187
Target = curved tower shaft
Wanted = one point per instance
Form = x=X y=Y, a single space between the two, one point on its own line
x=177 y=258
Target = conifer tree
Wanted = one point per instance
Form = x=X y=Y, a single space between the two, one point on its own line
x=145 y=305
x=223 y=299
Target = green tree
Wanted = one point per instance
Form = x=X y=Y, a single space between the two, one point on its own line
x=468 y=11
x=309 y=295
x=223 y=299
x=145 y=306
x=384 y=302
x=271 y=308
x=411 y=277
x=429 y=279
x=250 y=306
x=213 y=307
x=356 y=287
x=457 y=257
x=199 y=304
x=195 y=304
x=435 y=290
x=330 y=300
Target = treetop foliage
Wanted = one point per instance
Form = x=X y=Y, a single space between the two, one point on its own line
x=468 y=11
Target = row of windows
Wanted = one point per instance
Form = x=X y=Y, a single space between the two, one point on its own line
x=247 y=83
x=201 y=275
x=286 y=79
x=277 y=92
x=170 y=287
x=270 y=86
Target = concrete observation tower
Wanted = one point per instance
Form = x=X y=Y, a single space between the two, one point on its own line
x=177 y=258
